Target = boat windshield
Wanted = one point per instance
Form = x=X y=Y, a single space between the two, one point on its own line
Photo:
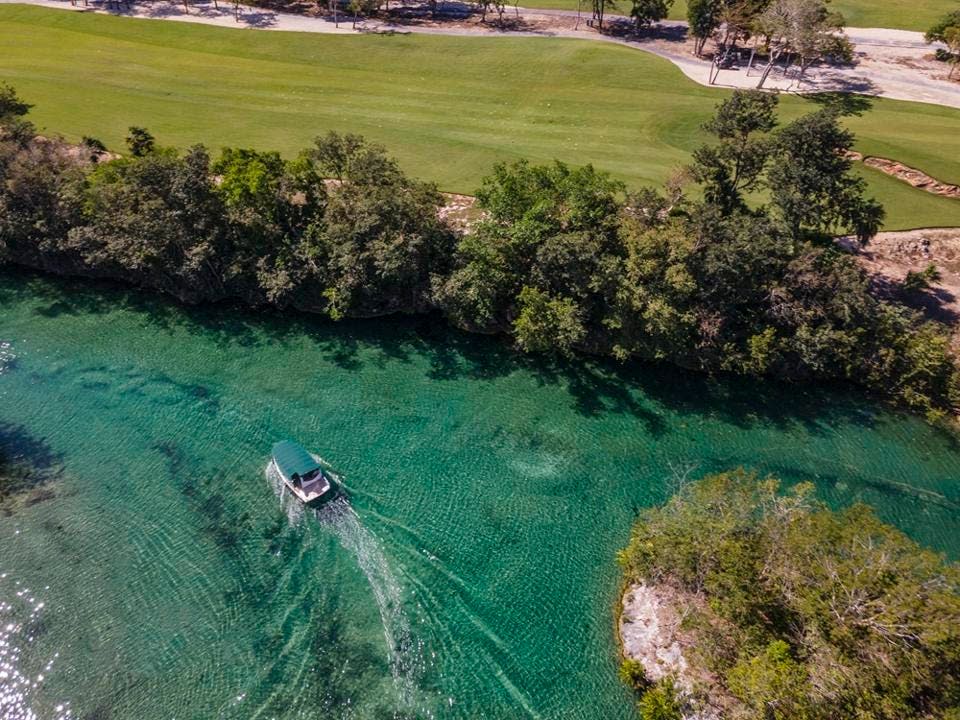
x=313 y=475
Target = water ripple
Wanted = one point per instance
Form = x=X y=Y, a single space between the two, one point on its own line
x=19 y=620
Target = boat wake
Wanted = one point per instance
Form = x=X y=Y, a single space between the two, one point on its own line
x=405 y=652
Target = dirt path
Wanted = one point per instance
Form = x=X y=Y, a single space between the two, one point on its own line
x=890 y=63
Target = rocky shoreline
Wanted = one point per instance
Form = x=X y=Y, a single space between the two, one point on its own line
x=650 y=629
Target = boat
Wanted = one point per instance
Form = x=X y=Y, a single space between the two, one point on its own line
x=303 y=474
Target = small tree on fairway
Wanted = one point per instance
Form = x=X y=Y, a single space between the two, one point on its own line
x=11 y=106
x=140 y=141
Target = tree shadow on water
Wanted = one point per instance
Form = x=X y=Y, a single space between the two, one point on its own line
x=27 y=467
x=650 y=392
x=596 y=386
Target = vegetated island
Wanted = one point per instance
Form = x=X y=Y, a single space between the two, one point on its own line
x=561 y=259
x=742 y=601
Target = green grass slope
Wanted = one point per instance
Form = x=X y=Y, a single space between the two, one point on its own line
x=899 y=14
x=446 y=107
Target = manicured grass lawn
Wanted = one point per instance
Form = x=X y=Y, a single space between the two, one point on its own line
x=446 y=107
x=901 y=14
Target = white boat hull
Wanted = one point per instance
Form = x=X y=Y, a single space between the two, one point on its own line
x=312 y=493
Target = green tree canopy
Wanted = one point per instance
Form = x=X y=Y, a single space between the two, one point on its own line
x=804 y=612
x=937 y=33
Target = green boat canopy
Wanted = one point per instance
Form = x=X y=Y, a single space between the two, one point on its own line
x=291 y=458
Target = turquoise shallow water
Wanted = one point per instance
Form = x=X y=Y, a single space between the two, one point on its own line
x=154 y=573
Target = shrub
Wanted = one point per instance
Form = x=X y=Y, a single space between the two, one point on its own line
x=922 y=279
x=771 y=683
x=633 y=674
x=660 y=702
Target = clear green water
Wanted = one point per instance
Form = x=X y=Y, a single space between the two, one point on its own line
x=155 y=573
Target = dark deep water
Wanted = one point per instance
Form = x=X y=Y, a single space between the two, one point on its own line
x=148 y=570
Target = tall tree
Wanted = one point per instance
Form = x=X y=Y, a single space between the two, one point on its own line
x=811 y=182
x=382 y=241
x=647 y=12
x=735 y=17
x=600 y=8
x=703 y=19
x=734 y=166
x=951 y=36
x=552 y=229
x=158 y=220
x=804 y=30
x=937 y=32
x=362 y=8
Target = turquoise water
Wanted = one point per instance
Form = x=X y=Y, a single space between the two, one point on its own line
x=150 y=570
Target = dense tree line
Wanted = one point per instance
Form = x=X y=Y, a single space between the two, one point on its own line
x=798 y=612
x=563 y=259
x=338 y=229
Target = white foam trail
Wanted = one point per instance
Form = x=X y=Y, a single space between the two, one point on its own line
x=405 y=652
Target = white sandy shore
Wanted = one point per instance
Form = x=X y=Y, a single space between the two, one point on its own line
x=890 y=63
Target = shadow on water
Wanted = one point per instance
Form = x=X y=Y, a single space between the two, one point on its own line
x=897 y=492
x=28 y=466
x=643 y=390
